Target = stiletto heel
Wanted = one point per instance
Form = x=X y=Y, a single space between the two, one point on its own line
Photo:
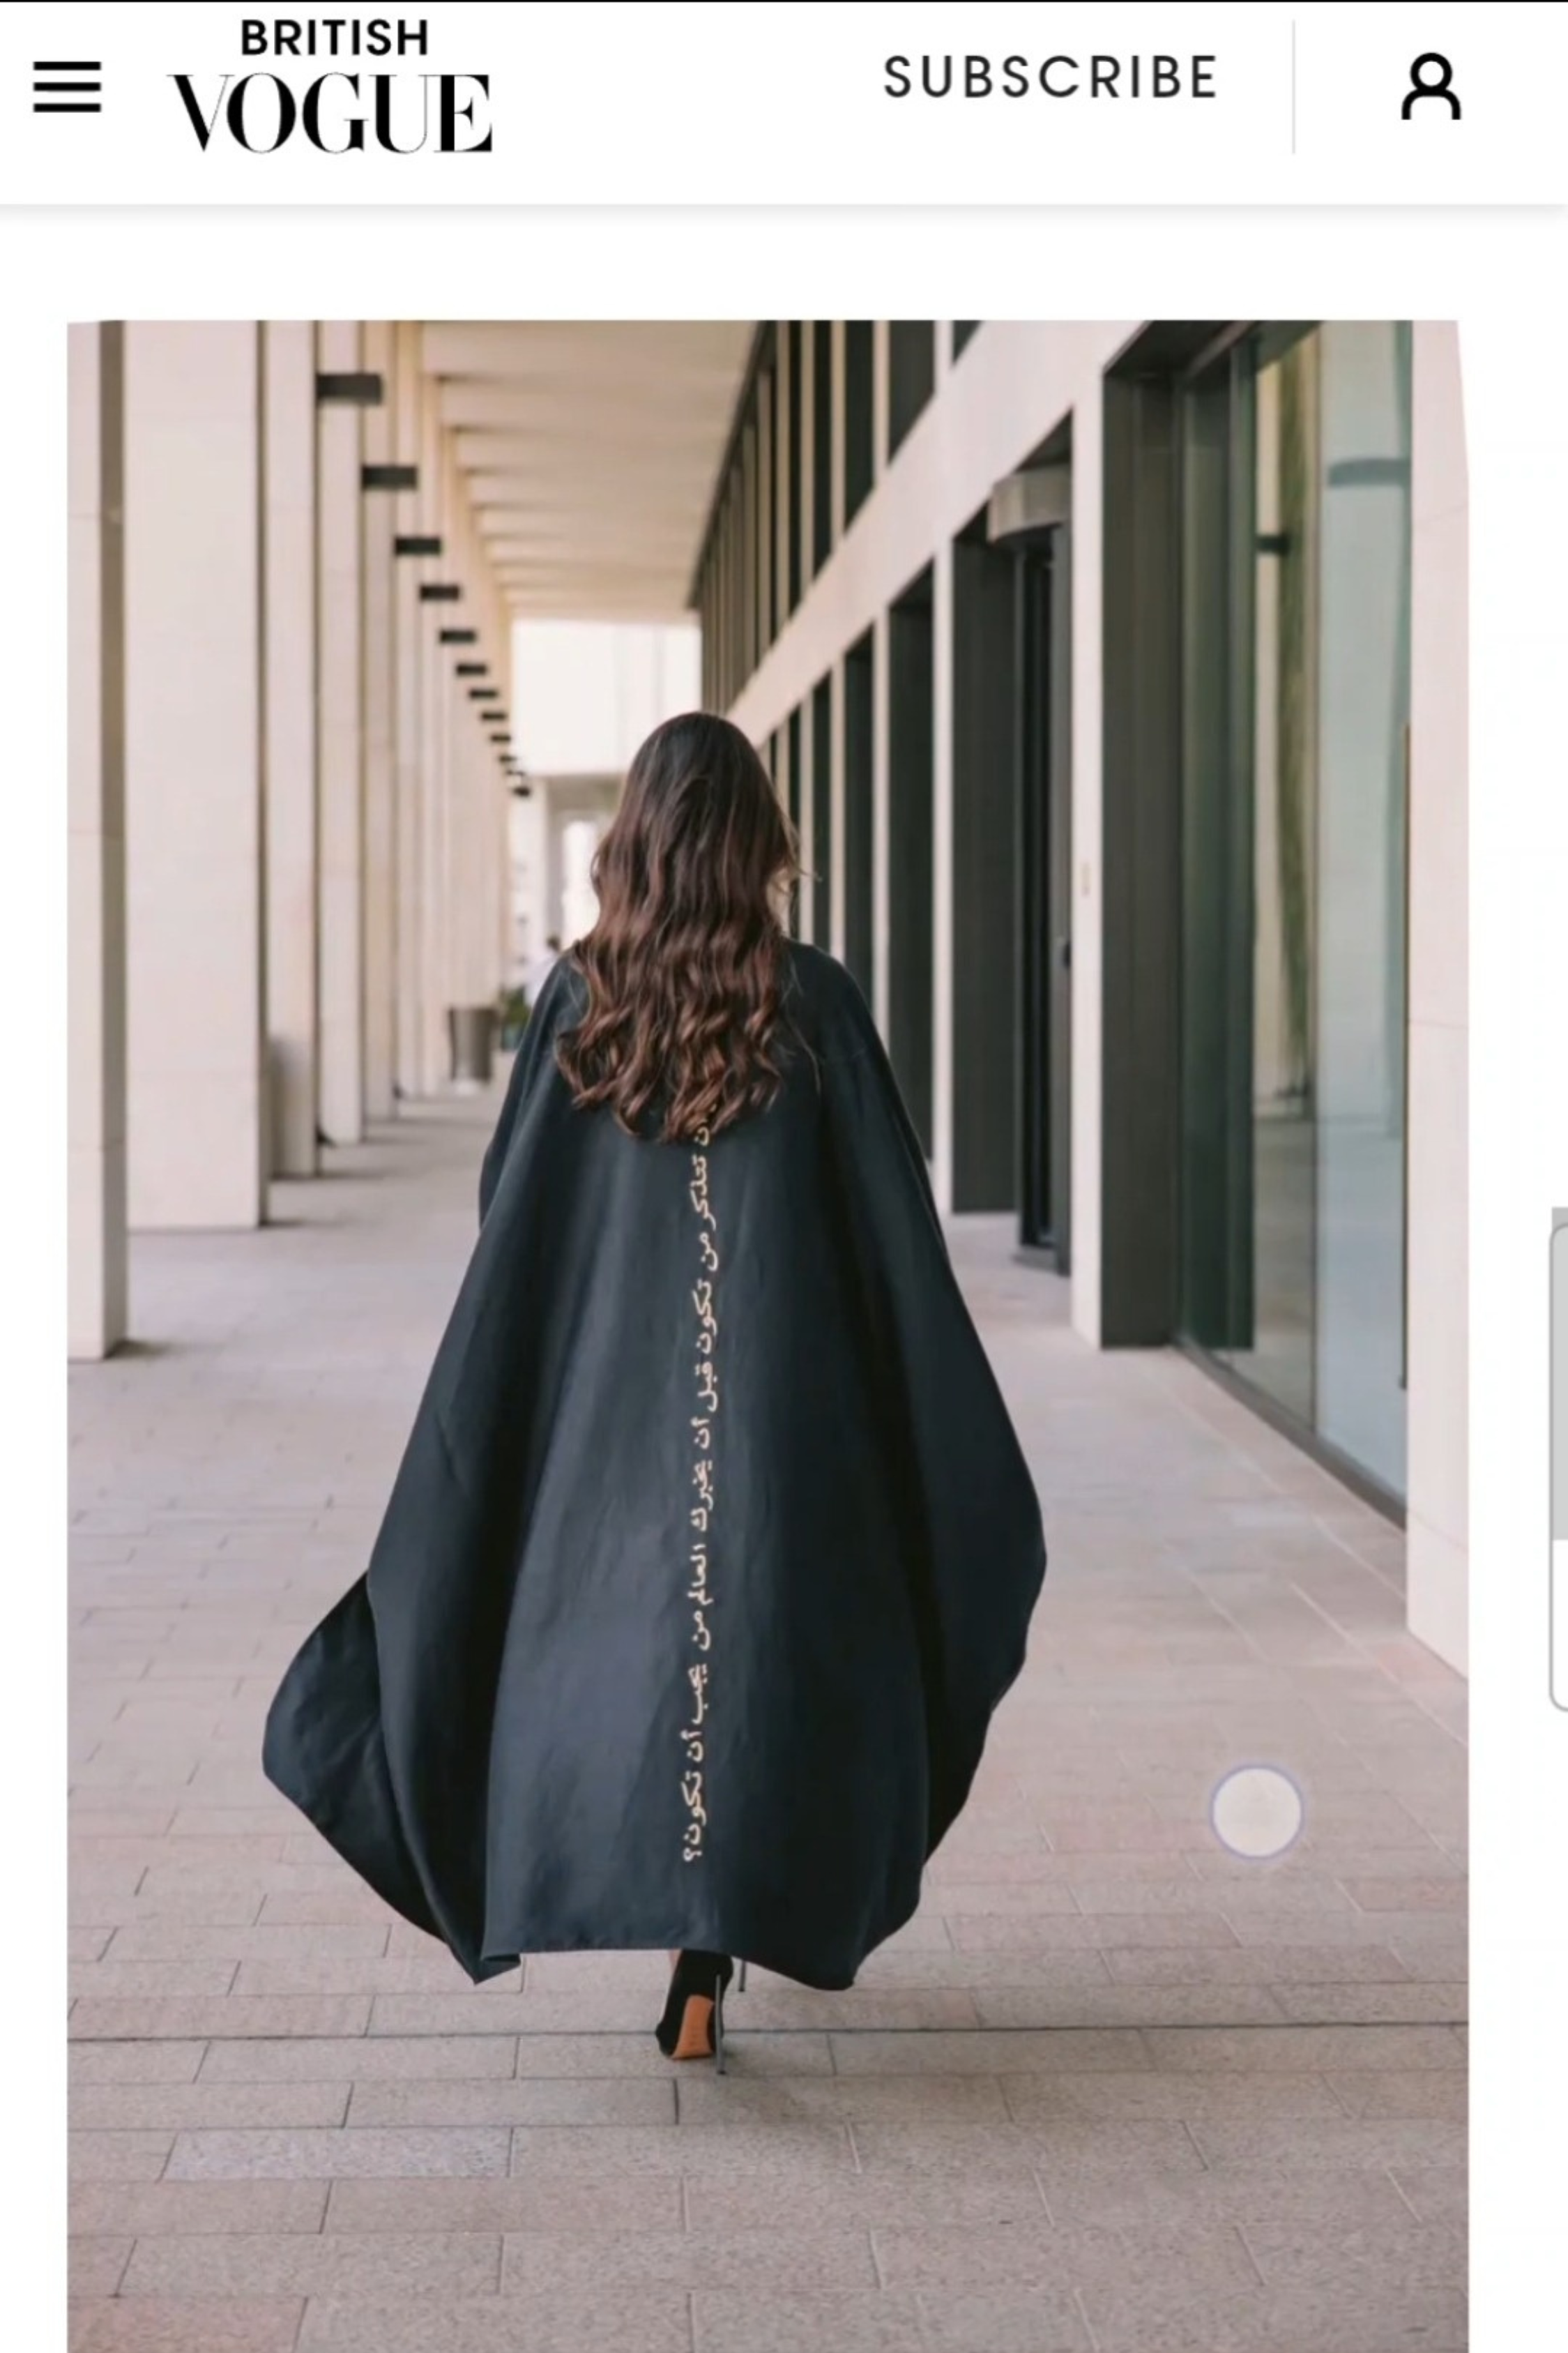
x=740 y=1977
x=691 y=2026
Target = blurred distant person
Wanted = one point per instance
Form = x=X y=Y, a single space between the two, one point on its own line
x=712 y=1550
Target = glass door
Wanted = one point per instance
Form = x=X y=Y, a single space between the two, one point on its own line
x=1295 y=671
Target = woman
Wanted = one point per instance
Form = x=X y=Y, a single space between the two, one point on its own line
x=712 y=1550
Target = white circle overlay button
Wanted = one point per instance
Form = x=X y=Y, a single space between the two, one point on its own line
x=1256 y=1811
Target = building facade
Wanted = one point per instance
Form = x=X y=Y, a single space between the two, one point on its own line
x=1113 y=676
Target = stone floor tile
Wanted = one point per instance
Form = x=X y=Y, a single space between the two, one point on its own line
x=1261 y=2320
x=999 y=2052
x=1133 y=2147
x=324 y=2060
x=148 y=2324
x=309 y=2156
x=749 y=2321
x=118 y=2155
x=1132 y=2006
x=1042 y=2321
x=263 y=2263
x=1379 y=2258
x=642 y=2321
x=1433 y=2193
x=1303 y=2147
x=597 y=2205
x=525 y=2100
x=133 y=2063
x=181 y=2019
x=140 y=2209
x=179 y=2108
x=812 y=2151
x=1149 y=2094
x=1440 y=2093
x=1320 y=2205
x=894 y=2197
x=1295 y=2047
x=1400 y=1894
x=349 y=1973
x=1436 y=2001
x=991 y=1933
x=112 y=1978
x=1271 y=1965
x=158 y=1940
x=1052 y=2259
x=1061 y=1972
x=928 y=2099
x=325 y=1908
x=789 y=2262
x=95 y=2265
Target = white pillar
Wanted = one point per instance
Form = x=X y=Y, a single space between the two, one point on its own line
x=288 y=631
x=195 y=1029
x=1088 y=816
x=787 y=490
x=435 y=689
x=803 y=490
x=881 y=821
x=837 y=880
x=408 y=620
x=97 y=1307
x=1438 y=1502
x=941 y=873
x=377 y=520
x=340 y=742
x=806 y=799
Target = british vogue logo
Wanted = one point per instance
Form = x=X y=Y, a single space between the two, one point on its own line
x=343 y=108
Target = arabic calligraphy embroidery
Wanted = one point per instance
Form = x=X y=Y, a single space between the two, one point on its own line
x=700 y=1513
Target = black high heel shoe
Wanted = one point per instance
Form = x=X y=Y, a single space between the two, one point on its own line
x=692 y=2026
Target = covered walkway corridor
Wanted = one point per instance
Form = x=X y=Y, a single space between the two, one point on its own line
x=1115 y=2088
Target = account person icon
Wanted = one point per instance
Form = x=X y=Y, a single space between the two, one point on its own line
x=1431 y=75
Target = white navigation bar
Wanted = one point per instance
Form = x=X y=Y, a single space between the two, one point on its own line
x=814 y=103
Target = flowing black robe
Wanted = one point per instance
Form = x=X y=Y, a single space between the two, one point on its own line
x=712 y=1552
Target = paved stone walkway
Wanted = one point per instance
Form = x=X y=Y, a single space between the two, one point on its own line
x=1113 y=2091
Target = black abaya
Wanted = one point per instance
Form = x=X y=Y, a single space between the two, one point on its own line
x=712 y=1552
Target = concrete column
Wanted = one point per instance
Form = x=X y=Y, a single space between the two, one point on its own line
x=804 y=489
x=881 y=820
x=786 y=489
x=409 y=670
x=436 y=662
x=767 y=504
x=941 y=873
x=339 y=427
x=289 y=634
x=1438 y=1503
x=196 y=1040
x=837 y=880
x=377 y=520
x=1088 y=812
x=96 y=1311
x=839 y=439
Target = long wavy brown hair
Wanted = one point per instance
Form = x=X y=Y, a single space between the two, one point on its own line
x=685 y=1029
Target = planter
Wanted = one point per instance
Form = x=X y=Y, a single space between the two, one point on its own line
x=471 y=1031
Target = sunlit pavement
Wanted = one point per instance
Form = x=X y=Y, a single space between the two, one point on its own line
x=1116 y=2087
